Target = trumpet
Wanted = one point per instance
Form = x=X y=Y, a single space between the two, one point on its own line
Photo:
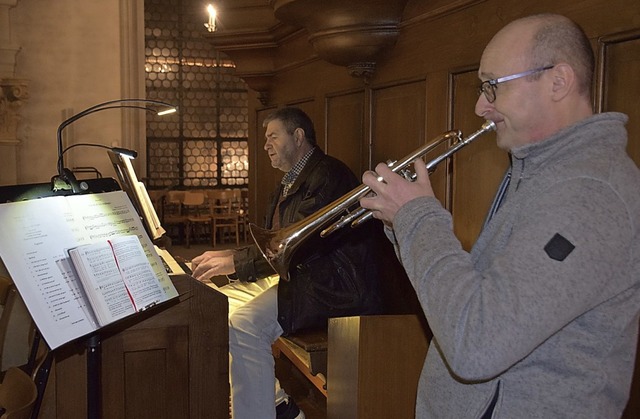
x=278 y=246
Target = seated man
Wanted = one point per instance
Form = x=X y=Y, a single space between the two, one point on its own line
x=331 y=277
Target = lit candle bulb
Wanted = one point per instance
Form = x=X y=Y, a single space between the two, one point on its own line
x=211 y=26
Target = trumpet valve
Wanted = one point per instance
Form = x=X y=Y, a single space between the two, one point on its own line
x=407 y=174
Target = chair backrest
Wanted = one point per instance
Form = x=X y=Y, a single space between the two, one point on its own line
x=18 y=393
x=195 y=204
x=222 y=202
x=237 y=201
x=172 y=206
x=244 y=198
x=193 y=198
x=175 y=197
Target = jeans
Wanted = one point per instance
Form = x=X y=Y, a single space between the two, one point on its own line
x=253 y=327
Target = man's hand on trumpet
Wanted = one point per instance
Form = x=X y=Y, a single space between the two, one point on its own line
x=391 y=191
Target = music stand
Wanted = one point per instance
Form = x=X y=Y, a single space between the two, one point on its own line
x=24 y=192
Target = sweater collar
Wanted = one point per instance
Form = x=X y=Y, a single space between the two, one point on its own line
x=608 y=125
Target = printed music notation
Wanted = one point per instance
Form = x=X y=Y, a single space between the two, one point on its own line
x=117 y=277
x=35 y=237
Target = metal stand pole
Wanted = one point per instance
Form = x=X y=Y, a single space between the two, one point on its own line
x=93 y=377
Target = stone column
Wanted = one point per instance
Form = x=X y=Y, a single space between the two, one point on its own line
x=13 y=94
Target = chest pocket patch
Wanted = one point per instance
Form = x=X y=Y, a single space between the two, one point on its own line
x=558 y=248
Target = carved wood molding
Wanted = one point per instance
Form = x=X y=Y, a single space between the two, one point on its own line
x=353 y=34
x=451 y=7
x=604 y=43
x=253 y=52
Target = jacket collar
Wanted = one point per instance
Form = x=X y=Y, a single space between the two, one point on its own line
x=314 y=159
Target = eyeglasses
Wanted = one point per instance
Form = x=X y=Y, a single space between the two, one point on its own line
x=489 y=87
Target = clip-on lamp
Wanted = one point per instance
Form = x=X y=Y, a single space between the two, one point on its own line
x=65 y=179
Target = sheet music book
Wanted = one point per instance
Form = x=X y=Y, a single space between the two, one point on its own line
x=117 y=277
x=35 y=238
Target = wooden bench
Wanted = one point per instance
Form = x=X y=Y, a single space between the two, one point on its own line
x=307 y=351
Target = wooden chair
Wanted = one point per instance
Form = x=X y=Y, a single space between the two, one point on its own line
x=242 y=208
x=197 y=210
x=172 y=214
x=18 y=394
x=224 y=216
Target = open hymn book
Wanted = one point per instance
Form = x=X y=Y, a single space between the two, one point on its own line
x=110 y=249
x=117 y=277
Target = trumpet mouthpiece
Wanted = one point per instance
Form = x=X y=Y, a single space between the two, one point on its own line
x=489 y=125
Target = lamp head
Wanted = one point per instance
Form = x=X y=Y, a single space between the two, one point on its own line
x=132 y=154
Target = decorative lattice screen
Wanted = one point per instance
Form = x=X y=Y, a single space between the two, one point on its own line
x=205 y=143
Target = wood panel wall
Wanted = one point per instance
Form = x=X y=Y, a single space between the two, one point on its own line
x=619 y=90
x=427 y=84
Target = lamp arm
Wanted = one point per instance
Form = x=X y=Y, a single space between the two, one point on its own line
x=119 y=150
x=100 y=107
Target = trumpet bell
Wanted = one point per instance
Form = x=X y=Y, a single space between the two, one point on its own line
x=273 y=249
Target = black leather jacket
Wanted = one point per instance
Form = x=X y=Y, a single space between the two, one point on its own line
x=331 y=277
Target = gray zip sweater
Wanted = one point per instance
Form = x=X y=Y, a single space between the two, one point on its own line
x=540 y=320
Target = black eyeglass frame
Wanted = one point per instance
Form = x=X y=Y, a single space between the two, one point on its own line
x=488 y=87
